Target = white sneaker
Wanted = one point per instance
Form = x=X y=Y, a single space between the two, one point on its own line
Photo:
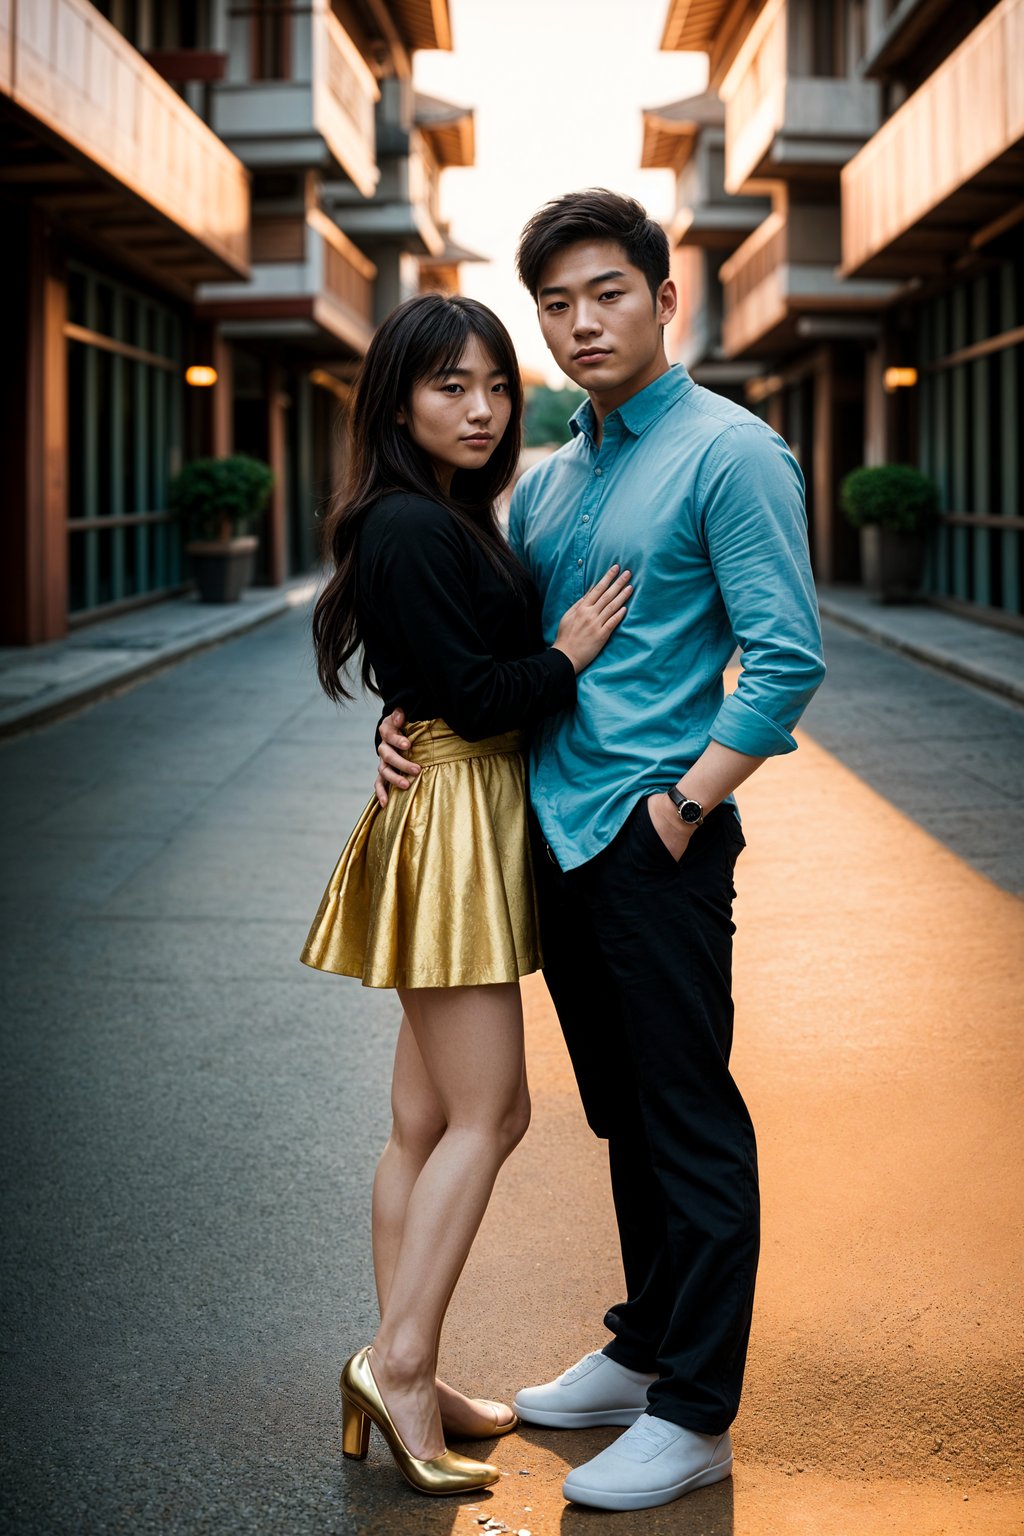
x=653 y=1463
x=596 y=1390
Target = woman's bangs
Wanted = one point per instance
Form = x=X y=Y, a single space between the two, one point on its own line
x=443 y=348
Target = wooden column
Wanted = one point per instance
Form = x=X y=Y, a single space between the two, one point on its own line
x=276 y=524
x=823 y=469
x=302 y=437
x=33 y=433
x=222 y=432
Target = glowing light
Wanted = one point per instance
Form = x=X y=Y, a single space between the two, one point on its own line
x=899 y=378
x=201 y=376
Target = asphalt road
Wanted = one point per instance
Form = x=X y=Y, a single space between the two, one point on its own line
x=192 y=1119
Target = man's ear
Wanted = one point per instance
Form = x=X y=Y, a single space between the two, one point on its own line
x=667 y=302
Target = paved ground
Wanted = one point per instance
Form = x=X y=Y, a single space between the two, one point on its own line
x=946 y=754
x=192 y=1121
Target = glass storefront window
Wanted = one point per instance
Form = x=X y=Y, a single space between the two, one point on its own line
x=125 y=423
x=969 y=405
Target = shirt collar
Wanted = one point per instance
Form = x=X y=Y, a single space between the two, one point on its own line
x=641 y=409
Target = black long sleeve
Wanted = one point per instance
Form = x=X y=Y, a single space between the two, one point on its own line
x=446 y=635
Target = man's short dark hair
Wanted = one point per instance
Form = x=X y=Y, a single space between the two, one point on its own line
x=595 y=214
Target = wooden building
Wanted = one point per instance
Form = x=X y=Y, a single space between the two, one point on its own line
x=249 y=188
x=688 y=137
x=887 y=135
x=935 y=203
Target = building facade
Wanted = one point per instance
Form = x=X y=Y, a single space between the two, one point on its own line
x=888 y=136
x=246 y=188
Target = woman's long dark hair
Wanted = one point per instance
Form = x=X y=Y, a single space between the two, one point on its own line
x=421 y=339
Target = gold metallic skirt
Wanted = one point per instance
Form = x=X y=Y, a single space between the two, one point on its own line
x=437 y=889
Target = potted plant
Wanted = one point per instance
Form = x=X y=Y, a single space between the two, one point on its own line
x=218 y=499
x=893 y=505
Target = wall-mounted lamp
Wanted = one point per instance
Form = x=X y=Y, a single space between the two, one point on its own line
x=899 y=378
x=200 y=376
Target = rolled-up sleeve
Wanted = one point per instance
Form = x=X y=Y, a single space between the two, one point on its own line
x=750 y=497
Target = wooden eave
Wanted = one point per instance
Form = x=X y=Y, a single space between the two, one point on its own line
x=423 y=23
x=984 y=218
x=449 y=128
x=37 y=168
x=691 y=25
x=670 y=132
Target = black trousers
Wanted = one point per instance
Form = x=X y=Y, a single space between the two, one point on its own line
x=638 y=953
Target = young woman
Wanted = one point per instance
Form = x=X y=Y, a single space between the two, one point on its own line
x=434 y=895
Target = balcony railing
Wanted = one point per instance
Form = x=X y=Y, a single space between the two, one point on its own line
x=787 y=268
x=949 y=136
x=344 y=93
x=306 y=276
x=345 y=301
x=405 y=210
x=68 y=68
x=779 y=124
x=754 y=287
x=310 y=101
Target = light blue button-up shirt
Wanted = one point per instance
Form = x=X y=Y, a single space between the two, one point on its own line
x=705 y=505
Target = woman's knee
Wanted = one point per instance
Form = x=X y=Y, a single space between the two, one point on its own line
x=416 y=1129
x=510 y=1126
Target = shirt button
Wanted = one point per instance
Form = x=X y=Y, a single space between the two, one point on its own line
x=599 y=470
x=586 y=517
x=579 y=562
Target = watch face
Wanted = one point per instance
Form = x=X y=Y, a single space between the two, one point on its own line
x=690 y=811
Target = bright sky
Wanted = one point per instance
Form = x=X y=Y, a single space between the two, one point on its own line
x=558 y=87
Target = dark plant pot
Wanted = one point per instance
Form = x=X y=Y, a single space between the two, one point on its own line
x=223 y=568
x=892 y=563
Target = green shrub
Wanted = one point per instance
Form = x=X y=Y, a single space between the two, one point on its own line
x=547 y=414
x=218 y=498
x=891 y=495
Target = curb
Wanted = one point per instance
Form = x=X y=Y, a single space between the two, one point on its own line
x=16 y=719
x=942 y=660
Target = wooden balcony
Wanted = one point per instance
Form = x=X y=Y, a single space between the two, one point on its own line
x=109 y=128
x=405 y=210
x=688 y=137
x=310 y=286
x=320 y=114
x=787 y=270
x=705 y=214
x=944 y=175
x=780 y=125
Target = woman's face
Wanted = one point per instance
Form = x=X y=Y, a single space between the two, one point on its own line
x=459 y=418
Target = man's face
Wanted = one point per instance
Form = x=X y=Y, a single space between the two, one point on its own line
x=598 y=318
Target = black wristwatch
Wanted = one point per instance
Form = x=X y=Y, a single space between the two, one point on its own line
x=690 y=812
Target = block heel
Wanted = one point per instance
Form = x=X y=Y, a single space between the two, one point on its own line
x=355 y=1430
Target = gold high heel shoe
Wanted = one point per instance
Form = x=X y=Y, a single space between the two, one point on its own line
x=361 y=1402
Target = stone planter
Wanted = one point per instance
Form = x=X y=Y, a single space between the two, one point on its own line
x=892 y=563
x=223 y=568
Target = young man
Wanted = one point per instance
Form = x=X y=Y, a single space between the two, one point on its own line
x=637 y=834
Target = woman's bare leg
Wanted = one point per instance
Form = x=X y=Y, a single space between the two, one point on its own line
x=470 y=1044
x=418 y=1123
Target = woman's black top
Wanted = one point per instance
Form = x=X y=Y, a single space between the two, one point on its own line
x=445 y=633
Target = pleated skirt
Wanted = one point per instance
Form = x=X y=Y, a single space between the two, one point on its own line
x=436 y=890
